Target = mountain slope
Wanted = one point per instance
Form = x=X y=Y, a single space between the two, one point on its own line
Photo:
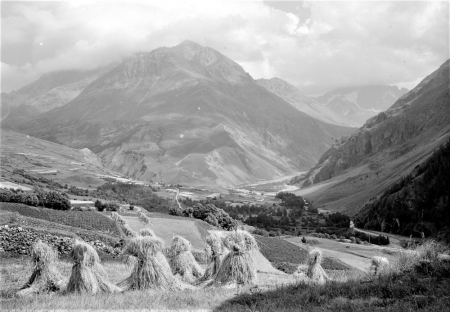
x=188 y=114
x=387 y=147
x=39 y=160
x=50 y=91
x=357 y=104
x=418 y=203
x=292 y=95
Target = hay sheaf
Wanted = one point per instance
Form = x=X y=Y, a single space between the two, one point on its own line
x=147 y=232
x=182 y=262
x=379 y=266
x=143 y=217
x=123 y=225
x=150 y=269
x=45 y=277
x=215 y=253
x=88 y=275
x=238 y=267
x=315 y=272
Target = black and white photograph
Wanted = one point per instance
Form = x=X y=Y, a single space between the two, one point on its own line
x=225 y=155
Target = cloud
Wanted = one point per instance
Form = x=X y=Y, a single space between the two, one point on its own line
x=316 y=46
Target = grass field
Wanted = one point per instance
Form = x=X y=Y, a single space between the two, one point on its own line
x=89 y=220
x=287 y=256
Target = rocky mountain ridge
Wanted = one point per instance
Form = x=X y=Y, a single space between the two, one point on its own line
x=386 y=148
x=51 y=90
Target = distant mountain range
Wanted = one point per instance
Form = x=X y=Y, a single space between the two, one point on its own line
x=389 y=146
x=355 y=105
x=185 y=114
x=50 y=91
x=303 y=103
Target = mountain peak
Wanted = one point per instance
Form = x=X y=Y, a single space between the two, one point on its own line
x=191 y=43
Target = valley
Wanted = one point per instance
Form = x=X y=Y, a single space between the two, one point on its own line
x=182 y=175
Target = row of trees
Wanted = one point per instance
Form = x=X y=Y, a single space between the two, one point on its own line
x=48 y=199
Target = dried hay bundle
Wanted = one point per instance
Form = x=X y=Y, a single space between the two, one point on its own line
x=215 y=253
x=123 y=225
x=45 y=277
x=380 y=265
x=88 y=275
x=182 y=262
x=238 y=266
x=315 y=272
x=150 y=270
x=144 y=218
x=147 y=232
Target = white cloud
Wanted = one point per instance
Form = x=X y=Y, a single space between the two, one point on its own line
x=333 y=44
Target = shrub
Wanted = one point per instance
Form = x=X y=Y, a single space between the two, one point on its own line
x=261 y=232
x=211 y=214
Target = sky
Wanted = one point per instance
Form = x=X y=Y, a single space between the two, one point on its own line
x=316 y=46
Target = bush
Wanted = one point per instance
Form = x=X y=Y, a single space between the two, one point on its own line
x=333 y=236
x=261 y=232
x=211 y=214
x=353 y=239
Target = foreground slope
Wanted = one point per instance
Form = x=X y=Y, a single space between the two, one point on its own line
x=188 y=114
x=387 y=147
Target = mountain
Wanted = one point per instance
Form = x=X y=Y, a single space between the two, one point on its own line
x=50 y=91
x=187 y=114
x=386 y=148
x=305 y=104
x=357 y=104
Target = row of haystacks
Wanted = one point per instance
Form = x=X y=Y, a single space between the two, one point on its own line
x=150 y=268
x=19 y=240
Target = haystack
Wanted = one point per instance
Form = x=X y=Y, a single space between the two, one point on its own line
x=147 y=232
x=45 y=277
x=182 y=262
x=150 y=270
x=159 y=255
x=238 y=266
x=123 y=225
x=380 y=265
x=215 y=253
x=143 y=217
x=315 y=272
x=88 y=275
